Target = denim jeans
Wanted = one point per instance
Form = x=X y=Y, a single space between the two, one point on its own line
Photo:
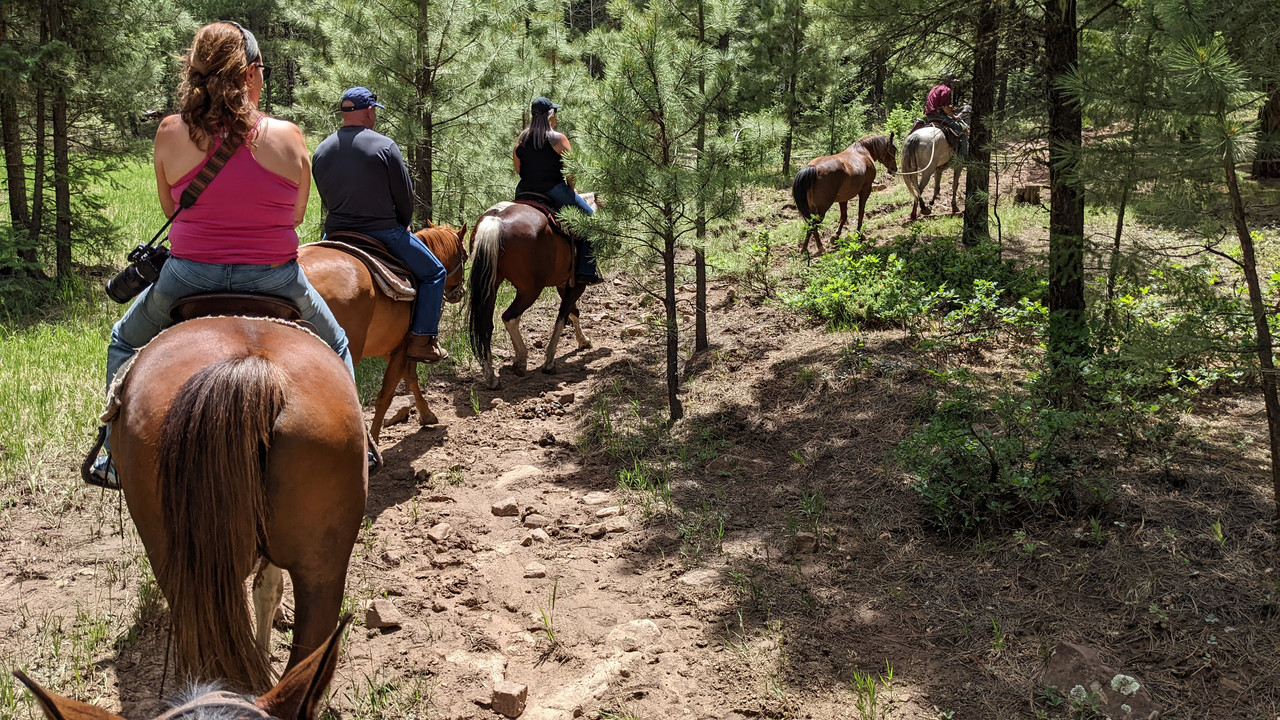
x=426 y=269
x=959 y=129
x=179 y=278
x=565 y=196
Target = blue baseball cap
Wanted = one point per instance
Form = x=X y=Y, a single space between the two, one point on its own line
x=360 y=99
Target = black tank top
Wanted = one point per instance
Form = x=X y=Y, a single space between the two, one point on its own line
x=540 y=168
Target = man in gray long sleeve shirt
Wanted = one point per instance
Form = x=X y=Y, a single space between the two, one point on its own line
x=366 y=188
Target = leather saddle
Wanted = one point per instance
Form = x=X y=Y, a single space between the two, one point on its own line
x=238 y=304
x=391 y=275
x=953 y=139
x=545 y=205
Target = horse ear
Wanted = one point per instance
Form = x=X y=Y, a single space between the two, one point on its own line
x=429 y=223
x=891 y=134
x=297 y=696
x=462 y=233
x=56 y=707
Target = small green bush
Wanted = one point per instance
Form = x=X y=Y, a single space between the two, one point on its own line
x=988 y=461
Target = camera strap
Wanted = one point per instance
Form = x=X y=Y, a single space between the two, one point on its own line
x=201 y=181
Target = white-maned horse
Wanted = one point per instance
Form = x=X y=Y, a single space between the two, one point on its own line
x=926 y=153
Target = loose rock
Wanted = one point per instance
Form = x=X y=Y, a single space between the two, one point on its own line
x=399 y=410
x=517 y=474
x=633 y=331
x=535 y=520
x=382 y=614
x=596 y=530
x=391 y=557
x=609 y=512
x=597 y=498
x=509 y=698
x=805 y=542
x=439 y=533
x=617 y=525
x=540 y=535
x=701 y=577
x=505 y=507
x=535 y=570
x=1120 y=696
x=567 y=398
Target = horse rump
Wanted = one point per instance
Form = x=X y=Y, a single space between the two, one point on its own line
x=800 y=190
x=212 y=467
x=486 y=244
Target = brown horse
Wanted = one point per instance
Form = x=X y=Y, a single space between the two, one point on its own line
x=514 y=242
x=839 y=179
x=296 y=697
x=240 y=444
x=376 y=325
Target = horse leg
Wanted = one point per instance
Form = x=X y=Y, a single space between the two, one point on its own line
x=937 y=186
x=268 y=590
x=862 y=206
x=583 y=341
x=317 y=601
x=568 y=300
x=511 y=319
x=396 y=367
x=425 y=416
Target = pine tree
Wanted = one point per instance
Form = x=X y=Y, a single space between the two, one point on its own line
x=643 y=135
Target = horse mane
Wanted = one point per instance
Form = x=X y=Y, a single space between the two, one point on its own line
x=877 y=145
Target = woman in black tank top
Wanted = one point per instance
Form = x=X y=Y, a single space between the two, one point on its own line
x=539 y=164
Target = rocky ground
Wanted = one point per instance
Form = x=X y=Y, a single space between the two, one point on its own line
x=548 y=545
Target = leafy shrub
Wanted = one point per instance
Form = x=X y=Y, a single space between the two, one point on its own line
x=987 y=462
x=855 y=286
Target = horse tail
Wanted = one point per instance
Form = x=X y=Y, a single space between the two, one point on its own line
x=800 y=190
x=483 y=282
x=213 y=498
x=910 y=170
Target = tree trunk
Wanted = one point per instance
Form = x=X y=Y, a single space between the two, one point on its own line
x=700 y=340
x=669 y=304
x=14 y=162
x=38 y=171
x=793 y=80
x=422 y=156
x=422 y=172
x=1267 y=163
x=1068 y=333
x=977 y=181
x=1266 y=358
x=61 y=159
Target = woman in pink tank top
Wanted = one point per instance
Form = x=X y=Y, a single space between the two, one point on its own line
x=240 y=235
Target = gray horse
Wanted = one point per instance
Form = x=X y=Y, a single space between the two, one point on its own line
x=926 y=153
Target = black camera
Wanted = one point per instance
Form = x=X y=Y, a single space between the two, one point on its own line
x=144 y=267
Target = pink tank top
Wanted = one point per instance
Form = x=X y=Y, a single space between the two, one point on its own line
x=243 y=217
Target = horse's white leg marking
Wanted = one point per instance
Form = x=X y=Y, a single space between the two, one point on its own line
x=268 y=590
x=583 y=342
x=550 y=365
x=490 y=381
x=521 y=360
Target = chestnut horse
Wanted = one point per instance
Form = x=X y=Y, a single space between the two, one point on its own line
x=514 y=242
x=296 y=697
x=376 y=325
x=839 y=179
x=240 y=444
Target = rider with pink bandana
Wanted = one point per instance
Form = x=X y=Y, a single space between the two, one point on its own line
x=937 y=106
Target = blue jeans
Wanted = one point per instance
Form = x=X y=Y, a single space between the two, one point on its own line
x=959 y=129
x=179 y=278
x=426 y=269
x=565 y=196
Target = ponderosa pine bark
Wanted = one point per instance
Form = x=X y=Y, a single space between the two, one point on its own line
x=1068 y=333
x=977 y=182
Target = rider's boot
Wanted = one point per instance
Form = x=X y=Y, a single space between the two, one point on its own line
x=425 y=348
x=587 y=273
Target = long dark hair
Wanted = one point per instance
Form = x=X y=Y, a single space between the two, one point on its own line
x=538 y=133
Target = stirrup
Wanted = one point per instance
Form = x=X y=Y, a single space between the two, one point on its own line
x=96 y=470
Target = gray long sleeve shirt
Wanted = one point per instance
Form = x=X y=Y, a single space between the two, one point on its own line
x=362 y=181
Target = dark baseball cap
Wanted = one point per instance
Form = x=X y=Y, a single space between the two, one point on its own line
x=543 y=105
x=360 y=99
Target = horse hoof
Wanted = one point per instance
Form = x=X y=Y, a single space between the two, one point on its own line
x=550 y=369
x=585 y=345
x=428 y=419
x=518 y=370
